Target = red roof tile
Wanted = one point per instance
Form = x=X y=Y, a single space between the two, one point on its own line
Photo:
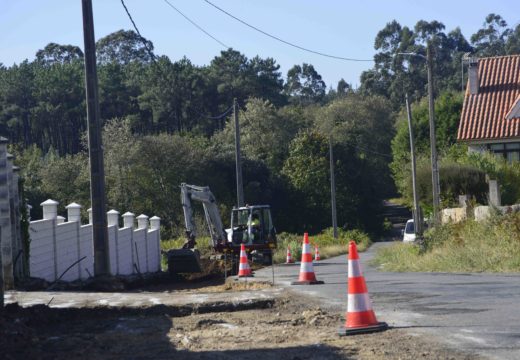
x=484 y=114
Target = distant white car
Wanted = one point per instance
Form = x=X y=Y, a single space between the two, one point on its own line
x=409 y=231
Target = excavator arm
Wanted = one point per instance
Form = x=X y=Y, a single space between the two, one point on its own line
x=204 y=195
x=187 y=259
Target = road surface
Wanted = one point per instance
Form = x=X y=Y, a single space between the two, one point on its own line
x=476 y=313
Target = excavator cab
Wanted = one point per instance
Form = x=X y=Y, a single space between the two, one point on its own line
x=252 y=226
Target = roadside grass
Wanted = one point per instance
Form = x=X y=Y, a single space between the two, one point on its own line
x=488 y=246
x=328 y=246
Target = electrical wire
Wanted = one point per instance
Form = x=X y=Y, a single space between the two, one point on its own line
x=196 y=25
x=143 y=40
x=282 y=40
x=153 y=57
x=371 y=151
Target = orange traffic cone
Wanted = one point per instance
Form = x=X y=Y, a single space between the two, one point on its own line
x=360 y=317
x=243 y=268
x=316 y=253
x=289 y=259
x=307 y=276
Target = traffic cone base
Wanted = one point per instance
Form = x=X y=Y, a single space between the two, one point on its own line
x=344 y=331
x=307 y=282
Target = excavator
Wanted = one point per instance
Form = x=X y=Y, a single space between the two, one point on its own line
x=251 y=225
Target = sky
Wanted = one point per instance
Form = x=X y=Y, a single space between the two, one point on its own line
x=343 y=28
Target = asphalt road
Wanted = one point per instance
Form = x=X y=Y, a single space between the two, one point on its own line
x=477 y=313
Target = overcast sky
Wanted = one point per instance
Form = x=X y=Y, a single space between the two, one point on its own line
x=343 y=28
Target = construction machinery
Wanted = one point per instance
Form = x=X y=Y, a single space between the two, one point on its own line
x=251 y=225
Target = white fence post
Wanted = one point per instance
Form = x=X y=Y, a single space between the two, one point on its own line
x=74 y=215
x=73 y=212
x=50 y=209
x=128 y=222
x=128 y=219
x=155 y=224
x=113 y=238
x=50 y=212
x=142 y=223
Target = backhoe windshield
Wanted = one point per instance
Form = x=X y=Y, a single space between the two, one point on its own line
x=240 y=217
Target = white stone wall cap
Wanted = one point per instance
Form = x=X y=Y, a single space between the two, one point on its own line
x=113 y=212
x=10 y=156
x=142 y=216
x=73 y=205
x=49 y=202
x=128 y=213
x=89 y=209
x=59 y=217
x=155 y=218
x=3 y=140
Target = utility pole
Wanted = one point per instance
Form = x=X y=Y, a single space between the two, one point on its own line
x=416 y=208
x=97 y=172
x=333 y=190
x=238 y=159
x=433 y=142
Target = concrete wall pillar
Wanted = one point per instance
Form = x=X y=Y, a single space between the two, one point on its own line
x=142 y=221
x=155 y=223
x=73 y=212
x=50 y=209
x=128 y=219
x=113 y=218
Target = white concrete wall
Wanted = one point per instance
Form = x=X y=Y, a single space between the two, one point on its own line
x=56 y=247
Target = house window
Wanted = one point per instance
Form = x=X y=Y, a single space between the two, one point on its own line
x=509 y=151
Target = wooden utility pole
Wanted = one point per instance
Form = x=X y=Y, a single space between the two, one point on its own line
x=97 y=171
x=333 y=190
x=433 y=142
x=417 y=218
x=238 y=158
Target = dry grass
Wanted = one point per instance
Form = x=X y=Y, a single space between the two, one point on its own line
x=327 y=244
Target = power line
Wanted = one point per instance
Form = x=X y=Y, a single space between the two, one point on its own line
x=370 y=151
x=284 y=41
x=196 y=25
x=159 y=67
x=143 y=40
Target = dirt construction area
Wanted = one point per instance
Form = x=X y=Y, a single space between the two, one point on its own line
x=274 y=324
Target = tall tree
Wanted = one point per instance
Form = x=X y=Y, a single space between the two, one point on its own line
x=304 y=85
x=54 y=53
x=123 y=46
x=491 y=39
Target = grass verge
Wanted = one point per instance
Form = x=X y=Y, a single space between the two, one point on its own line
x=328 y=246
x=489 y=246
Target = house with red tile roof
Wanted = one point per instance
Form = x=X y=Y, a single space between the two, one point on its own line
x=490 y=119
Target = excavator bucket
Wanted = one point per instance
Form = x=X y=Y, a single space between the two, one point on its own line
x=183 y=261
